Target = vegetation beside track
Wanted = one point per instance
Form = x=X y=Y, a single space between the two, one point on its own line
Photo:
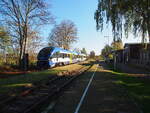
x=137 y=87
x=13 y=85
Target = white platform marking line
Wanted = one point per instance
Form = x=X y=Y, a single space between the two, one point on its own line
x=84 y=94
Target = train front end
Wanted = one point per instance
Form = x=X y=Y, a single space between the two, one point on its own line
x=44 y=58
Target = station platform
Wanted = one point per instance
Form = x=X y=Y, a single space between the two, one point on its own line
x=102 y=95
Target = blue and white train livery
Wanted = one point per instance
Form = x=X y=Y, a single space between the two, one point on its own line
x=53 y=56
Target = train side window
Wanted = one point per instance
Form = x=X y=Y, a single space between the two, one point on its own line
x=57 y=54
x=64 y=55
x=53 y=56
x=61 y=55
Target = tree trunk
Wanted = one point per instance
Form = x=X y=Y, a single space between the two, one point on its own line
x=148 y=20
x=21 y=53
x=24 y=50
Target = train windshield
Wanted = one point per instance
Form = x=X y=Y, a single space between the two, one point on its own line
x=45 y=53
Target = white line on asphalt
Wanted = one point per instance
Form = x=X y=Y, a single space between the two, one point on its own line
x=84 y=94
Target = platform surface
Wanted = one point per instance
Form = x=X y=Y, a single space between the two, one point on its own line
x=103 y=96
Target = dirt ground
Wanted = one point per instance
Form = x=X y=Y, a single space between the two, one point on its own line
x=103 y=96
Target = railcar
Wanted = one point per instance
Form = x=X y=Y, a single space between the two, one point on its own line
x=53 y=56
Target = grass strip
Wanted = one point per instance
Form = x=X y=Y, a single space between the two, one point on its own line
x=137 y=88
x=14 y=84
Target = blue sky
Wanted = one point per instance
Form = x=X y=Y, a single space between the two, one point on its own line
x=81 y=12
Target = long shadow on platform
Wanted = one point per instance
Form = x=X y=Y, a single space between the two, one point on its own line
x=137 y=87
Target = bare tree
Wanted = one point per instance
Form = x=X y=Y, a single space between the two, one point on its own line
x=21 y=15
x=34 y=42
x=4 y=38
x=83 y=51
x=63 y=34
x=77 y=50
x=4 y=42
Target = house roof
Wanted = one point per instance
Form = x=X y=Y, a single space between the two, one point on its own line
x=135 y=44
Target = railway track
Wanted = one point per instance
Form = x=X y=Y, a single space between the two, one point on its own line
x=31 y=100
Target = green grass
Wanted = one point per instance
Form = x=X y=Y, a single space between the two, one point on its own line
x=12 y=83
x=137 y=88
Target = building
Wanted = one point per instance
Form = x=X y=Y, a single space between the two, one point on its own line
x=137 y=53
x=118 y=56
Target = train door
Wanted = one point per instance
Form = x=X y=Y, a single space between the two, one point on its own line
x=70 y=58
